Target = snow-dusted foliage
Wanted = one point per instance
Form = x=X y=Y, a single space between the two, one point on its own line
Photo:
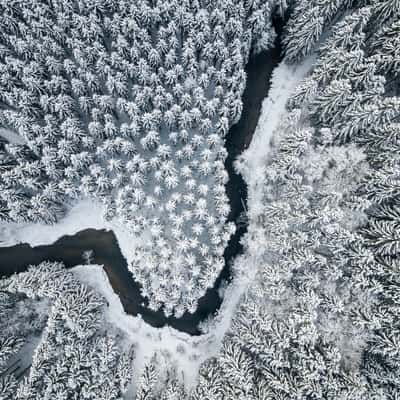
x=76 y=358
x=299 y=330
x=129 y=102
x=321 y=319
x=155 y=383
x=309 y=19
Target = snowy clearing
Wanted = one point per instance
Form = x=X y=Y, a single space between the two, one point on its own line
x=86 y=214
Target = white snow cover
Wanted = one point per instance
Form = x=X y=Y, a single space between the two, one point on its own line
x=84 y=215
x=251 y=163
x=87 y=214
x=187 y=352
x=11 y=136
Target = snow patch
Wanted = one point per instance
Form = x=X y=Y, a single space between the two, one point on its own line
x=11 y=136
x=187 y=352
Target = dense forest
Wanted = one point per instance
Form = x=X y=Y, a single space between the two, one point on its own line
x=129 y=103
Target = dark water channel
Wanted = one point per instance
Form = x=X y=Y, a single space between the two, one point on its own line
x=69 y=249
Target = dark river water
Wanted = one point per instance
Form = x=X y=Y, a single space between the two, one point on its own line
x=69 y=249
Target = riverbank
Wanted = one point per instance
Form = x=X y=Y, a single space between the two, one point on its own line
x=69 y=249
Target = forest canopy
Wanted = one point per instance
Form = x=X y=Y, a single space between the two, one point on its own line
x=129 y=103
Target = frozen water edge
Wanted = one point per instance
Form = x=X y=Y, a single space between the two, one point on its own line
x=196 y=349
x=251 y=163
x=85 y=214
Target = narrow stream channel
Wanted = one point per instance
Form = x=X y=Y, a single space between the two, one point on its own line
x=69 y=249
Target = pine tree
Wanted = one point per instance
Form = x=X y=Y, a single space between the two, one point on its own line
x=148 y=379
x=385 y=44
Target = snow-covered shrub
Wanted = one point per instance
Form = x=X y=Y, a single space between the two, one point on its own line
x=21 y=322
x=158 y=382
x=295 y=331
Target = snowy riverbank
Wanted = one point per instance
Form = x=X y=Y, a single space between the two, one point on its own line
x=85 y=214
x=251 y=163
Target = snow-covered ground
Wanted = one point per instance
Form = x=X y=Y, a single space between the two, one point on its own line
x=252 y=162
x=11 y=136
x=84 y=215
x=186 y=351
